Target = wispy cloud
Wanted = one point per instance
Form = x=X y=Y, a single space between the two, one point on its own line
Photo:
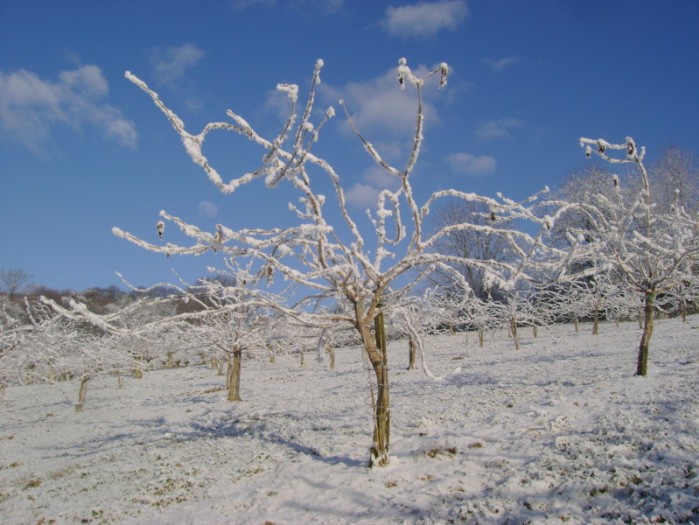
x=469 y=164
x=496 y=66
x=497 y=129
x=379 y=107
x=171 y=64
x=31 y=107
x=365 y=194
x=386 y=116
x=425 y=19
x=207 y=209
x=304 y=6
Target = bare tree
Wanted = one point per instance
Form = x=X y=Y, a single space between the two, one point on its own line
x=654 y=250
x=327 y=252
x=233 y=319
x=13 y=281
x=480 y=244
x=675 y=176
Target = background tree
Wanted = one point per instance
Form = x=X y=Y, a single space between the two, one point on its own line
x=652 y=249
x=12 y=281
x=232 y=319
x=479 y=244
x=675 y=179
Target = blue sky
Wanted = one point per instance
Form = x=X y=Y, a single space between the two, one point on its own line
x=83 y=150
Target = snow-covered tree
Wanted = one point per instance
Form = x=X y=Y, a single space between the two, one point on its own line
x=60 y=348
x=675 y=179
x=652 y=250
x=232 y=319
x=329 y=253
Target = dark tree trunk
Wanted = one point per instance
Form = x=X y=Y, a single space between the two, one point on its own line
x=595 y=322
x=642 y=368
x=411 y=353
x=233 y=375
x=82 y=393
x=513 y=331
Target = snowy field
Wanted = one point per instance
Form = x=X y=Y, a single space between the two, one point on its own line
x=559 y=432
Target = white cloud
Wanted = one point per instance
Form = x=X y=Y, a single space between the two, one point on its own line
x=497 y=66
x=362 y=195
x=30 y=107
x=380 y=107
x=365 y=194
x=386 y=116
x=207 y=209
x=241 y=5
x=171 y=64
x=469 y=164
x=497 y=129
x=425 y=18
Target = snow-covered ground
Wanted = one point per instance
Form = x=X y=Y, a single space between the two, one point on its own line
x=559 y=432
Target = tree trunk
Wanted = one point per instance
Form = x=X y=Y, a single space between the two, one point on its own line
x=331 y=352
x=595 y=322
x=642 y=368
x=481 y=337
x=513 y=331
x=376 y=351
x=233 y=376
x=411 y=353
x=378 y=357
x=577 y=325
x=382 y=421
x=82 y=393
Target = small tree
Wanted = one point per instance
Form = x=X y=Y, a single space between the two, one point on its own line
x=13 y=281
x=325 y=251
x=232 y=318
x=654 y=251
